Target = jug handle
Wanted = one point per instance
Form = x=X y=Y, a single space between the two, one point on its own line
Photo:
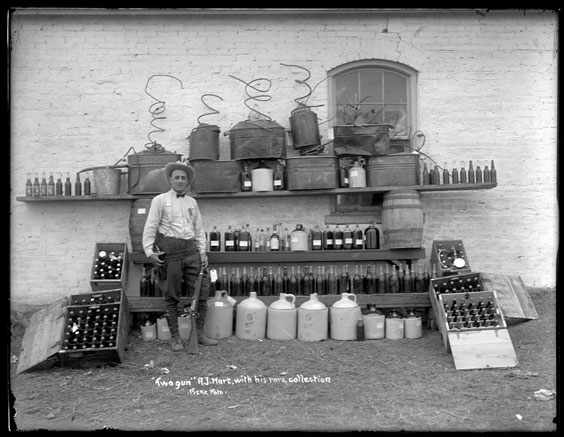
x=292 y=296
x=352 y=295
x=224 y=293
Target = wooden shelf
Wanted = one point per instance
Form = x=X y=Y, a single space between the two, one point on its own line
x=387 y=300
x=264 y=194
x=315 y=256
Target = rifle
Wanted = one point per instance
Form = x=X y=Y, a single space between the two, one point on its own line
x=193 y=339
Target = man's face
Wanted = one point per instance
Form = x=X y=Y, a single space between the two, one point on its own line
x=178 y=180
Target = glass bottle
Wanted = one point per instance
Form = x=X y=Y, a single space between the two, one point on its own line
x=426 y=178
x=446 y=176
x=436 y=180
x=337 y=238
x=51 y=185
x=320 y=281
x=286 y=280
x=244 y=282
x=43 y=186
x=347 y=238
x=479 y=175
x=487 y=175
x=278 y=283
x=307 y=282
x=87 y=187
x=229 y=239
x=283 y=238
x=344 y=280
x=471 y=174
x=357 y=282
x=278 y=178
x=332 y=285
x=262 y=241
x=327 y=238
x=244 y=242
x=316 y=238
x=299 y=280
x=382 y=281
x=493 y=173
x=224 y=280
x=143 y=282
x=77 y=186
x=68 y=185
x=358 y=238
x=394 y=285
x=293 y=283
x=215 y=240
x=408 y=280
x=370 y=282
x=343 y=176
x=288 y=239
x=253 y=283
x=36 y=186
x=463 y=176
x=28 y=186
x=455 y=179
x=246 y=180
x=256 y=240
x=372 y=237
x=267 y=240
x=274 y=240
x=420 y=286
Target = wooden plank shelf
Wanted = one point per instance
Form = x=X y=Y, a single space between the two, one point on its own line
x=386 y=300
x=316 y=256
x=265 y=194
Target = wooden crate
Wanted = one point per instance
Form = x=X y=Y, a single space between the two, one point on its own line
x=43 y=341
x=444 y=267
x=110 y=284
x=98 y=297
x=99 y=356
x=472 y=347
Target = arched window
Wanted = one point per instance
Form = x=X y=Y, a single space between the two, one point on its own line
x=384 y=92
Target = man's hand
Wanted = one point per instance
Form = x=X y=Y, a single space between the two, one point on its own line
x=203 y=259
x=155 y=258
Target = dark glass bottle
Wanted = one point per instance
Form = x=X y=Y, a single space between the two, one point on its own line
x=235 y=284
x=420 y=286
x=253 y=282
x=229 y=239
x=244 y=282
x=244 y=241
x=300 y=280
x=493 y=173
x=487 y=175
x=382 y=281
x=337 y=238
x=332 y=282
x=223 y=280
x=344 y=280
x=51 y=186
x=278 y=178
x=28 y=187
x=393 y=281
x=471 y=174
x=358 y=238
x=320 y=281
x=143 y=282
x=455 y=179
x=327 y=238
x=426 y=177
x=87 y=187
x=401 y=279
x=408 y=280
x=307 y=282
x=278 y=283
x=370 y=283
x=357 y=282
x=293 y=287
x=343 y=176
x=372 y=237
x=436 y=179
x=347 y=238
x=274 y=240
x=463 y=175
x=246 y=180
x=68 y=185
x=215 y=240
x=285 y=280
x=446 y=176
x=43 y=186
x=36 y=186
x=77 y=186
x=316 y=238
x=266 y=282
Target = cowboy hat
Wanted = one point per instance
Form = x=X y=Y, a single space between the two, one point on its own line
x=189 y=170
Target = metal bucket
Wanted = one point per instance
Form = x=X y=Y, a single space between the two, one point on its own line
x=146 y=171
x=364 y=140
x=106 y=180
x=257 y=139
x=204 y=142
x=305 y=128
x=217 y=176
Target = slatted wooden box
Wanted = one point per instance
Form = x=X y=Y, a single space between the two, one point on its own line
x=471 y=347
x=98 y=284
x=43 y=345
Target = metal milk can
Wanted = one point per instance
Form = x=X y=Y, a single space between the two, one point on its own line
x=219 y=320
x=343 y=317
x=251 y=318
x=282 y=318
x=313 y=317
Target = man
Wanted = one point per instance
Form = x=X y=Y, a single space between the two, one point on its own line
x=175 y=241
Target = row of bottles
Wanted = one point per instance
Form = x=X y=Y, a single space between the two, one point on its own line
x=280 y=239
x=91 y=327
x=148 y=284
x=470 y=314
x=59 y=188
x=482 y=174
x=462 y=283
x=108 y=265
x=322 y=280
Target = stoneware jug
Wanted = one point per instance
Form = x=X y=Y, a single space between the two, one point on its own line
x=251 y=318
x=282 y=318
x=344 y=315
x=313 y=320
x=219 y=321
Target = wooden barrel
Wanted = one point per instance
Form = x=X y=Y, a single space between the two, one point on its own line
x=402 y=219
x=137 y=219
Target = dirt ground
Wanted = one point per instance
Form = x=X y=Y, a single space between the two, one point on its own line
x=375 y=385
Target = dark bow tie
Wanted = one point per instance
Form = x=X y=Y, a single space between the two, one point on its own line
x=180 y=195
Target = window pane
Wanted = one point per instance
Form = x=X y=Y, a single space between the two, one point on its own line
x=371 y=85
x=346 y=87
x=396 y=115
x=395 y=88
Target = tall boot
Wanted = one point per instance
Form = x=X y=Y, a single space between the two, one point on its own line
x=172 y=319
x=202 y=339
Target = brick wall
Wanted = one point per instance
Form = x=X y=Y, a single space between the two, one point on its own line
x=486 y=90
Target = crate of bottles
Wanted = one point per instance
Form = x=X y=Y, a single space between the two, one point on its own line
x=109 y=266
x=95 y=334
x=471 y=322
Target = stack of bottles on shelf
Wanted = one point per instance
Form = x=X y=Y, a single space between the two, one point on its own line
x=281 y=239
x=482 y=174
x=48 y=188
x=323 y=281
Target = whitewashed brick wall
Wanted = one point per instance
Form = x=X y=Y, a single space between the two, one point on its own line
x=486 y=90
